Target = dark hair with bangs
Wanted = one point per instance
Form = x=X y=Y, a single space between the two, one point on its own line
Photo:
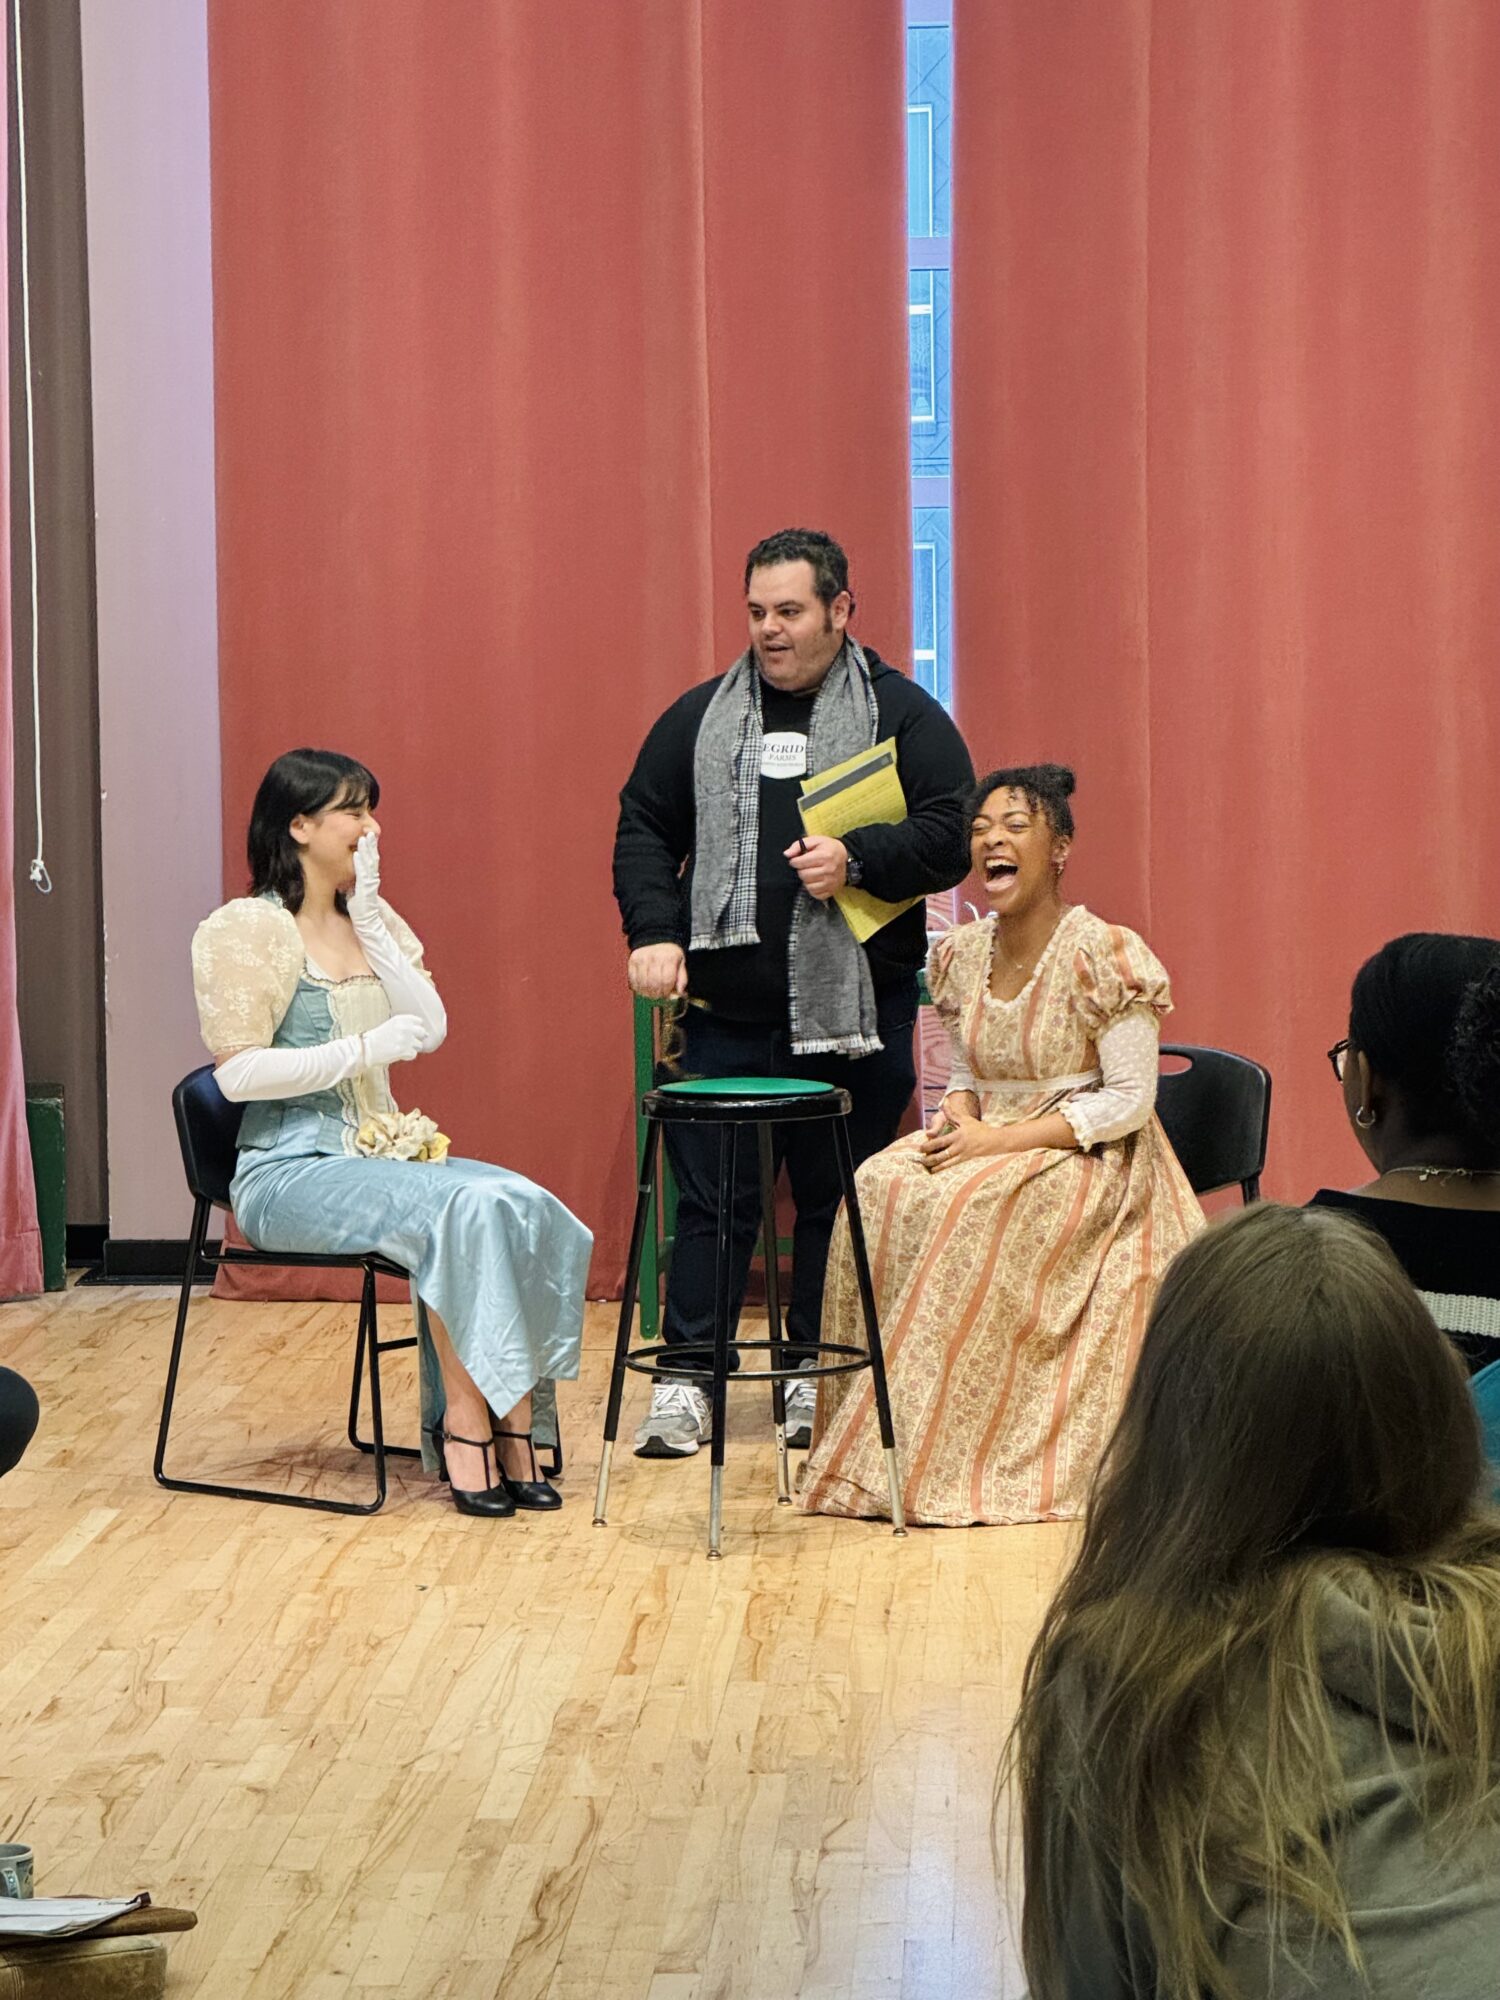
x=1046 y=788
x=299 y=782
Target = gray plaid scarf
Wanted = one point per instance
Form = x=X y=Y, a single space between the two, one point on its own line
x=828 y=976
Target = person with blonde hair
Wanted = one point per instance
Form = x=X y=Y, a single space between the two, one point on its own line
x=1258 y=1743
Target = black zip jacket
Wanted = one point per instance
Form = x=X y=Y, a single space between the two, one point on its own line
x=926 y=853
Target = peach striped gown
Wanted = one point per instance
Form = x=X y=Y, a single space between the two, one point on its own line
x=1012 y=1291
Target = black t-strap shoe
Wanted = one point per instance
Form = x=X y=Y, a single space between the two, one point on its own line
x=496 y=1502
x=534 y=1494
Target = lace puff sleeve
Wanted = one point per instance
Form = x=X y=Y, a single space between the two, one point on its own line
x=247 y=959
x=1118 y=972
x=1123 y=992
x=954 y=962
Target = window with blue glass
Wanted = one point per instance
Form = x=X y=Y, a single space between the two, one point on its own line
x=929 y=224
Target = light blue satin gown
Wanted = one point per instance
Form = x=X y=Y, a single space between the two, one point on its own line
x=499 y=1259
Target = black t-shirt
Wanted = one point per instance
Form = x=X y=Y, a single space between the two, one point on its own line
x=748 y=982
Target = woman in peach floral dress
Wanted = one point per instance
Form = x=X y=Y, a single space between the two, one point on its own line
x=1016 y=1246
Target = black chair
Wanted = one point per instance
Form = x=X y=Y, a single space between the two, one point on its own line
x=1217 y=1113
x=732 y=1103
x=207 y=1129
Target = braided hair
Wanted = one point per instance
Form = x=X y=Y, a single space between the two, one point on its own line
x=1045 y=787
x=1426 y=1016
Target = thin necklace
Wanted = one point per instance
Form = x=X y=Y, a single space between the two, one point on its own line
x=1448 y=1173
x=1023 y=964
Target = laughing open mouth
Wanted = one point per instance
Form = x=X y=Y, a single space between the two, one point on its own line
x=996 y=870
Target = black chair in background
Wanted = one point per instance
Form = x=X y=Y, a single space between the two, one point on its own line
x=207 y=1129
x=1217 y=1113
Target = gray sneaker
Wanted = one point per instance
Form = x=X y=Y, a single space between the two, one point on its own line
x=679 y=1420
x=801 y=1407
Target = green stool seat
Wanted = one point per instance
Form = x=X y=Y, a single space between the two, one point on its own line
x=743 y=1100
x=744 y=1086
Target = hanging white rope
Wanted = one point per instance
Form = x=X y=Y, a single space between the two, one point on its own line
x=39 y=876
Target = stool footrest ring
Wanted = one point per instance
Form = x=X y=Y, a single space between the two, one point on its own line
x=672 y=1364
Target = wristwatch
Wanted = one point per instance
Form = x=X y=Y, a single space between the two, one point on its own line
x=853 y=872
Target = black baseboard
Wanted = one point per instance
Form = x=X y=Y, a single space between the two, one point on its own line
x=147 y=1260
x=85 y=1242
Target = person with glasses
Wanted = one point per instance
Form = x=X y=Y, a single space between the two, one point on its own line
x=1420 y=1073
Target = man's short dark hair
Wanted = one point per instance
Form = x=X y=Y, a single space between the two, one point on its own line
x=830 y=566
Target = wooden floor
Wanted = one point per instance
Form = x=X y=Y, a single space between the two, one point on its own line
x=425 y=1756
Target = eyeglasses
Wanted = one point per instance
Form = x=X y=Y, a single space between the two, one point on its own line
x=1338 y=1055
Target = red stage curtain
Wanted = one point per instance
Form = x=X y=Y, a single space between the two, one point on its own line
x=20 y=1239
x=530 y=319
x=1227 y=484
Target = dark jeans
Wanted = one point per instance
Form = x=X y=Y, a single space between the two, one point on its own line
x=880 y=1087
x=18 y=1417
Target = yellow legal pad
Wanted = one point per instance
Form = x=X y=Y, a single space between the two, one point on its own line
x=865 y=790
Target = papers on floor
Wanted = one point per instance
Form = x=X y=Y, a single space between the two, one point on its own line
x=865 y=790
x=61 y=1916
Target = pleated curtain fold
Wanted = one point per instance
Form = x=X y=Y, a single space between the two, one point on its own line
x=531 y=318
x=1227 y=484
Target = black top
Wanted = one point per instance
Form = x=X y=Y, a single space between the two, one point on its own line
x=927 y=852
x=1450 y=1254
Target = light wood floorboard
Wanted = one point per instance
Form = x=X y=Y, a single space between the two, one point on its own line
x=443 y=1759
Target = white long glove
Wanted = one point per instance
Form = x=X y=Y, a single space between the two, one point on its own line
x=257 y=1076
x=409 y=991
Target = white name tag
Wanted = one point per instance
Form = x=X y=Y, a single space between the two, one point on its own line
x=783 y=755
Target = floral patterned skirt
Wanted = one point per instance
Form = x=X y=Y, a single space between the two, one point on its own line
x=1012 y=1295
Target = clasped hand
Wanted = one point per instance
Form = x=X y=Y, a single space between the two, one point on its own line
x=957 y=1134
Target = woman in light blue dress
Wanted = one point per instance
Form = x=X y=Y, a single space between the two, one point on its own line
x=308 y=990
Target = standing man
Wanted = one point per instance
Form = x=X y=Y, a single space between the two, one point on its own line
x=726 y=904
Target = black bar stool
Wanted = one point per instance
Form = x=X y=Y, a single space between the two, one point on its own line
x=731 y=1103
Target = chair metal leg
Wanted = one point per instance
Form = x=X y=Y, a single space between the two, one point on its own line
x=723 y=1253
x=308 y=1500
x=357 y=1387
x=644 y=1188
x=367 y=1314
x=872 y=1324
x=773 y=1310
x=202 y=1209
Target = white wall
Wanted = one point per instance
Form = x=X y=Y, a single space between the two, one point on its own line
x=145 y=97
